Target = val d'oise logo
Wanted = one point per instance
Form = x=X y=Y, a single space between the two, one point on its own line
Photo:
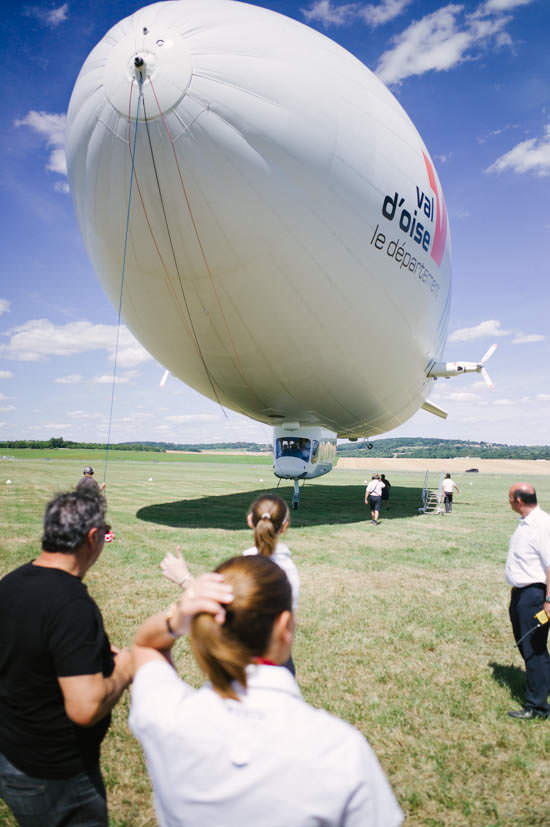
x=429 y=217
x=440 y=233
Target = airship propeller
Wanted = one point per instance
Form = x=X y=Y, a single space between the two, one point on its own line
x=482 y=369
x=448 y=369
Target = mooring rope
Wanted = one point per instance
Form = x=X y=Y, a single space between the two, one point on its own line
x=175 y=260
x=236 y=357
x=122 y=276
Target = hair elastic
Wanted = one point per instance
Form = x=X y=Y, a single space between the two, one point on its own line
x=265 y=516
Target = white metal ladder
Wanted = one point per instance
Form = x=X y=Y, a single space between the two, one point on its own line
x=432 y=498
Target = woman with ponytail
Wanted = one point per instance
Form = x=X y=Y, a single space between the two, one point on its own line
x=245 y=749
x=269 y=517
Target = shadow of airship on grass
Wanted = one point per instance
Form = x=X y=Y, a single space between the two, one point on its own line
x=320 y=505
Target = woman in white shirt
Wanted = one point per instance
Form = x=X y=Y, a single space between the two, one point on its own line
x=245 y=749
x=269 y=518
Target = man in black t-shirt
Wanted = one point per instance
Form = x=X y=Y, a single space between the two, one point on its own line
x=59 y=676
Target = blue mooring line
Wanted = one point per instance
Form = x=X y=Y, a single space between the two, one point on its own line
x=107 y=446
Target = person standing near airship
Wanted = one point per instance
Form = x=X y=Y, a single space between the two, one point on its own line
x=528 y=573
x=386 y=491
x=449 y=485
x=269 y=518
x=373 y=496
x=87 y=484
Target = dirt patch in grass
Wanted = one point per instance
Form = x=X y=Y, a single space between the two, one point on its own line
x=517 y=467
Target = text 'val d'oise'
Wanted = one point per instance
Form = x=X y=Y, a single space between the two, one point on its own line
x=410 y=223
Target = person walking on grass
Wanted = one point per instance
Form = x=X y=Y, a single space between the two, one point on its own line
x=373 y=496
x=246 y=749
x=386 y=491
x=528 y=573
x=59 y=675
x=448 y=485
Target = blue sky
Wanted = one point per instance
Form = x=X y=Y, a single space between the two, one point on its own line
x=474 y=78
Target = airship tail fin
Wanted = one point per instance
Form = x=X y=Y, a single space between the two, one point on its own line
x=434 y=409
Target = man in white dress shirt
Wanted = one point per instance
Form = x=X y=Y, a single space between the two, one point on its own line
x=528 y=572
x=373 y=496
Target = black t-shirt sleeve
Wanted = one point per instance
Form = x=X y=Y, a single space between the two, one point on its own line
x=77 y=641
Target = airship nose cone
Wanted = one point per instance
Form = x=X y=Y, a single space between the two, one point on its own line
x=155 y=59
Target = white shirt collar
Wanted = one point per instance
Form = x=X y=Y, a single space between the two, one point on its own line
x=262 y=676
x=527 y=517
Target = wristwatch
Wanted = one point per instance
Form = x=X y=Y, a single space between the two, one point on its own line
x=547 y=598
x=169 y=628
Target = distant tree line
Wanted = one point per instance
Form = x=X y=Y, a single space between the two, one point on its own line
x=415 y=448
x=433 y=448
x=59 y=442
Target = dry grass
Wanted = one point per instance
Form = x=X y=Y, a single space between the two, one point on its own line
x=403 y=627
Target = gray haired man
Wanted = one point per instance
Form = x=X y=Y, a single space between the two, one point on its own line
x=59 y=675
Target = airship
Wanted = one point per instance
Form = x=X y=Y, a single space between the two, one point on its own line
x=268 y=220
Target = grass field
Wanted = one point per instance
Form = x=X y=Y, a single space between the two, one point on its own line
x=403 y=627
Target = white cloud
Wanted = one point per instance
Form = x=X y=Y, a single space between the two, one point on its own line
x=438 y=42
x=325 y=13
x=49 y=17
x=504 y=5
x=71 y=379
x=107 y=379
x=6 y=374
x=37 y=339
x=8 y=408
x=85 y=415
x=463 y=396
x=51 y=127
x=4 y=306
x=544 y=396
x=488 y=328
x=328 y=14
x=532 y=155
x=383 y=12
x=57 y=16
x=504 y=402
x=527 y=338
x=190 y=419
x=57 y=162
x=482 y=139
x=57 y=425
